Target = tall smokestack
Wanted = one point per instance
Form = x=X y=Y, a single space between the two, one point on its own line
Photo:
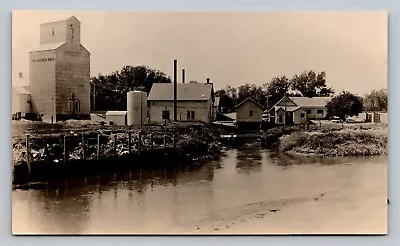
x=183 y=76
x=175 y=89
x=208 y=80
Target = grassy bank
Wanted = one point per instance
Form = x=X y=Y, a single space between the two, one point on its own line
x=336 y=142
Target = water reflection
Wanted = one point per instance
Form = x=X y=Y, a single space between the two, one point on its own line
x=284 y=160
x=162 y=199
x=249 y=160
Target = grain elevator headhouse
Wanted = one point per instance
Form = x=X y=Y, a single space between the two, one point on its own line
x=60 y=72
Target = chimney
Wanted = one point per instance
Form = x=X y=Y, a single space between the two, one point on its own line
x=183 y=76
x=208 y=80
x=175 y=90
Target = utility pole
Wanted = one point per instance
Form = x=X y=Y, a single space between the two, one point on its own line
x=175 y=90
x=94 y=98
x=54 y=110
x=268 y=96
x=285 y=108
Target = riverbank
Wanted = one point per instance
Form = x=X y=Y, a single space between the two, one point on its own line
x=78 y=144
x=330 y=140
x=344 y=142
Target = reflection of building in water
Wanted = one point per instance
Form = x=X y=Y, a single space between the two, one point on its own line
x=59 y=74
x=248 y=160
x=58 y=204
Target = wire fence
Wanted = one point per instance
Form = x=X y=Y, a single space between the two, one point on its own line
x=92 y=146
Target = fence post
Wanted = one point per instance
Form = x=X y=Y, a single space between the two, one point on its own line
x=174 y=141
x=98 y=146
x=45 y=148
x=65 y=149
x=151 y=141
x=28 y=153
x=115 y=144
x=83 y=147
x=140 y=141
x=165 y=142
x=129 y=142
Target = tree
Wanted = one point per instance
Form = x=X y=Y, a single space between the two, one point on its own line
x=344 y=105
x=311 y=84
x=277 y=88
x=253 y=91
x=111 y=90
x=376 y=100
x=228 y=98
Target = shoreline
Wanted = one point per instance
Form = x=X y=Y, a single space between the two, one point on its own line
x=355 y=140
x=67 y=149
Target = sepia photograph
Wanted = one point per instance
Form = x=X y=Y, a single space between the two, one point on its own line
x=199 y=123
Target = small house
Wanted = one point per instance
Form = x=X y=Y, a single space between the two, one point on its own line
x=249 y=114
x=299 y=110
x=194 y=102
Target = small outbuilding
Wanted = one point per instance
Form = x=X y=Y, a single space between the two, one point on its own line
x=118 y=118
x=249 y=114
x=21 y=102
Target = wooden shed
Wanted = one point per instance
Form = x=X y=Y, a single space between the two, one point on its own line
x=249 y=114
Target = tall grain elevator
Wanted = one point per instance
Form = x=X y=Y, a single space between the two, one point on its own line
x=59 y=72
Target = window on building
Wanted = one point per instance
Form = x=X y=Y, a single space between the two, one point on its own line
x=302 y=115
x=74 y=106
x=190 y=115
x=72 y=32
x=165 y=115
x=309 y=111
x=280 y=118
x=320 y=111
x=251 y=112
x=69 y=106
x=77 y=106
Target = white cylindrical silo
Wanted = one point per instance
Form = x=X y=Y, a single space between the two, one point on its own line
x=137 y=108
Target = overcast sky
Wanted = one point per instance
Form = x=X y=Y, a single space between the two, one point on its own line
x=230 y=48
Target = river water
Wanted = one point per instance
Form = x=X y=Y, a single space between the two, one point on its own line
x=246 y=191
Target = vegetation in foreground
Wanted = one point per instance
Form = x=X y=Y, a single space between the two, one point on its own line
x=196 y=139
x=343 y=142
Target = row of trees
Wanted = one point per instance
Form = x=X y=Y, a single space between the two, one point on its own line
x=347 y=104
x=307 y=84
x=111 y=90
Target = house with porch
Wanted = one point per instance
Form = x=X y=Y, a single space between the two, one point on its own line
x=299 y=110
x=194 y=102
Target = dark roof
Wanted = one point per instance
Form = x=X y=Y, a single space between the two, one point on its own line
x=185 y=92
x=247 y=99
